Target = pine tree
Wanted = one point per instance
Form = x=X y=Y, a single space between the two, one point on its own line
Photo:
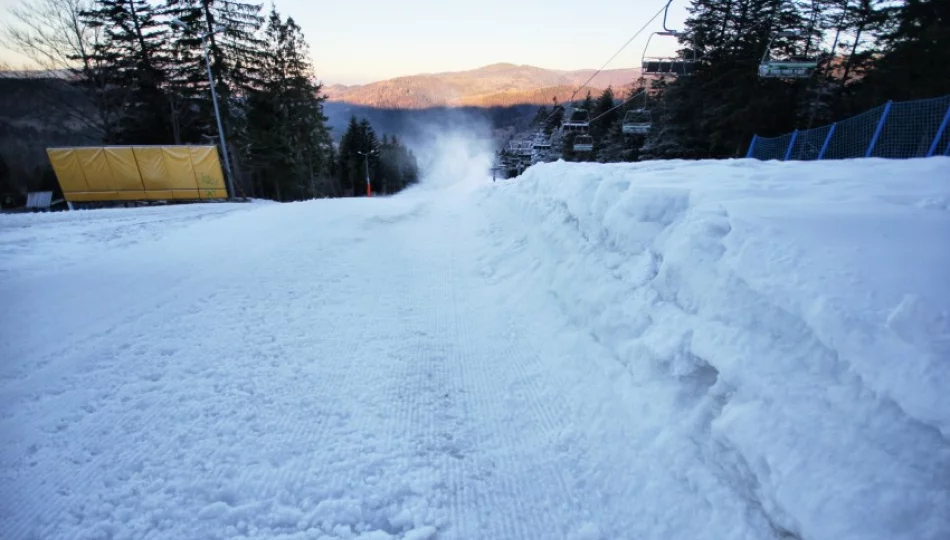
x=359 y=150
x=588 y=103
x=130 y=60
x=6 y=186
x=913 y=47
x=348 y=158
x=604 y=114
x=236 y=55
x=540 y=118
x=392 y=167
x=397 y=166
x=286 y=127
x=715 y=111
x=554 y=120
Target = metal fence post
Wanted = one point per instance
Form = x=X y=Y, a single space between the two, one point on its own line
x=943 y=128
x=791 y=144
x=880 y=127
x=752 y=146
x=824 y=147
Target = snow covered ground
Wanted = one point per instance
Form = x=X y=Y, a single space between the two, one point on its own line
x=663 y=350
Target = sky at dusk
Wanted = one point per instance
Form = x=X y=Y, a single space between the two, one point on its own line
x=368 y=40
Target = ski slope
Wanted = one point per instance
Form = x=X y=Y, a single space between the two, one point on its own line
x=721 y=350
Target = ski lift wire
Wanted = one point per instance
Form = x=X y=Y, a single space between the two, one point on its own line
x=629 y=41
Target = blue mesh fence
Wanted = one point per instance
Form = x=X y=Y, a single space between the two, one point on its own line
x=895 y=130
x=852 y=137
x=808 y=144
x=910 y=128
x=774 y=148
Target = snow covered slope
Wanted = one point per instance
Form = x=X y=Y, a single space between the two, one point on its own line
x=721 y=350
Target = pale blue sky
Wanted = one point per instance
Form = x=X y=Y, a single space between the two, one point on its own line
x=358 y=41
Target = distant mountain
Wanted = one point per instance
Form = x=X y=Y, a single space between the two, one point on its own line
x=489 y=86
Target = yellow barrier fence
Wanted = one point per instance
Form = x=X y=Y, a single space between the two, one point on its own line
x=138 y=173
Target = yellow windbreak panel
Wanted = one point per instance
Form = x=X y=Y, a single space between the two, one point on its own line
x=207 y=171
x=151 y=162
x=158 y=195
x=96 y=196
x=68 y=171
x=125 y=171
x=180 y=172
x=186 y=194
x=96 y=169
x=214 y=194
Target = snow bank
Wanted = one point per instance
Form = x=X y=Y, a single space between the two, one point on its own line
x=782 y=327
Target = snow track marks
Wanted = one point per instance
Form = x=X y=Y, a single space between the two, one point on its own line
x=308 y=386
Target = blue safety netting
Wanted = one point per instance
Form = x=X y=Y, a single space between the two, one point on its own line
x=895 y=130
x=808 y=143
x=772 y=148
x=910 y=128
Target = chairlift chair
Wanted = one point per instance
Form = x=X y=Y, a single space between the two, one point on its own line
x=579 y=121
x=795 y=67
x=671 y=65
x=526 y=149
x=541 y=142
x=584 y=143
x=637 y=122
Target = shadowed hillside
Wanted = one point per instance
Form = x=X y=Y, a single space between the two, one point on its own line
x=36 y=113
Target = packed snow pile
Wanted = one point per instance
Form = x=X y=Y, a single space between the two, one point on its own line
x=783 y=329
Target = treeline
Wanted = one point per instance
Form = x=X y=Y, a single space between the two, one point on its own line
x=140 y=66
x=390 y=166
x=868 y=52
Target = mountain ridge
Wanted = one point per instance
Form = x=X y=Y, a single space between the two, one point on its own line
x=499 y=84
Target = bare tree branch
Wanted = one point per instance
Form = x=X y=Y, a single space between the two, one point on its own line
x=51 y=33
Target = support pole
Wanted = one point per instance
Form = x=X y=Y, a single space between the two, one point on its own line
x=217 y=116
x=824 y=147
x=880 y=127
x=755 y=139
x=940 y=132
x=369 y=190
x=791 y=145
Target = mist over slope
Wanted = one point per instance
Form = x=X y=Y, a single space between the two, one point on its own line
x=417 y=123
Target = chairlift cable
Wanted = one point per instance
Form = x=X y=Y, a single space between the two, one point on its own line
x=665 y=11
x=611 y=59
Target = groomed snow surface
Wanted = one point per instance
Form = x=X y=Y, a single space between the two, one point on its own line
x=668 y=350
